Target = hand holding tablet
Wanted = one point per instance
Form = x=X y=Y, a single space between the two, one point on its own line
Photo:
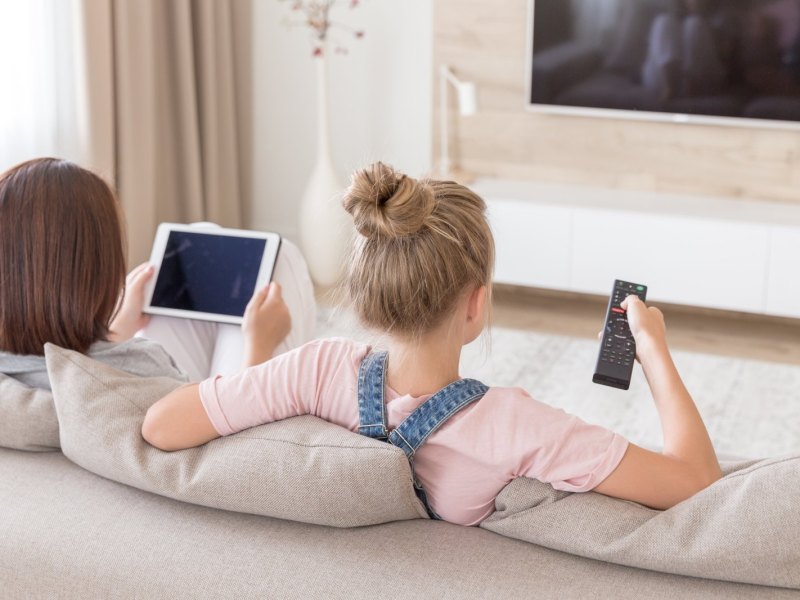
x=267 y=322
x=208 y=272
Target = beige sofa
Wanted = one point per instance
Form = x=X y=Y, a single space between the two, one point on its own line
x=67 y=533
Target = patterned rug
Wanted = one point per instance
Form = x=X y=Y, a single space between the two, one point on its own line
x=751 y=408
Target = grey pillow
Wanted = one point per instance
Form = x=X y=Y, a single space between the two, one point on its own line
x=301 y=469
x=27 y=417
x=744 y=528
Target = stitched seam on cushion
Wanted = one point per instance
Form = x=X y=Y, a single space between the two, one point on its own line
x=107 y=387
x=757 y=467
x=300 y=444
x=526 y=511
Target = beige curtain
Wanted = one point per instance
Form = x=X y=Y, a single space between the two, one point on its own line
x=168 y=95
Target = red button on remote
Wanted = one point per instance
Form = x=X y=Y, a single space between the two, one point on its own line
x=618 y=310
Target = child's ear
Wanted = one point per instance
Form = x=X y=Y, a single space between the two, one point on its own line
x=476 y=304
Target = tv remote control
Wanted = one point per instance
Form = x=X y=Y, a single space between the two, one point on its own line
x=617 y=349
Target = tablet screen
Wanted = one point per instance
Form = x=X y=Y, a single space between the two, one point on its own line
x=208 y=273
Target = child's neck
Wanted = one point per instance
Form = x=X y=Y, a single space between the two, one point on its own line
x=424 y=366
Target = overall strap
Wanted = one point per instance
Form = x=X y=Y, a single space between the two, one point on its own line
x=371 y=386
x=420 y=424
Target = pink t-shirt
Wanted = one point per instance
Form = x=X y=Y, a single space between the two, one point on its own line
x=463 y=465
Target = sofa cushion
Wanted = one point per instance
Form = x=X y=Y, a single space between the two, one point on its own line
x=301 y=469
x=27 y=417
x=68 y=534
x=743 y=528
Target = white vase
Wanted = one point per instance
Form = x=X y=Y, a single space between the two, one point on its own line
x=325 y=227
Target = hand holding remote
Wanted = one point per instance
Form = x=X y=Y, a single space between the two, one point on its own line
x=646 y=324
x=618 y=344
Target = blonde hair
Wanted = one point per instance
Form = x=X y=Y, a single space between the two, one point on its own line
x=421 y=245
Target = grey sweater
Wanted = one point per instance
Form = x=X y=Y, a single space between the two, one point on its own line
x=137 y=356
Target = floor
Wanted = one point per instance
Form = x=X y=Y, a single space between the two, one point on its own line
x=700 y=330
x=722 y=333
x=734 y=365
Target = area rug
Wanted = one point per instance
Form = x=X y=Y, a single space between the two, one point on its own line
x=751 y=408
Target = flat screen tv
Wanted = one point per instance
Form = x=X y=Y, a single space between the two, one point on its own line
x=716 y=61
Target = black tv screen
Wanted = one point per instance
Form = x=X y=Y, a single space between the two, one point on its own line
x=706 y=58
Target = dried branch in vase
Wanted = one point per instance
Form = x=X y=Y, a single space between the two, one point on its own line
x=316 y=16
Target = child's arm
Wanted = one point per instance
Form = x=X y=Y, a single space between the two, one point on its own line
x=688 y=462
x=178 y=421
x=318 y=378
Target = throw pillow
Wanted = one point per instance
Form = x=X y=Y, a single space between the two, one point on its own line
x=27 y=417
x=301 y=469
x=743 y=528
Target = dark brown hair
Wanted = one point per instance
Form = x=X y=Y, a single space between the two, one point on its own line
x=62 y=257
x=421 y=245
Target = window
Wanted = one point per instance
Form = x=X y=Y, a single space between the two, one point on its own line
x=38 y=101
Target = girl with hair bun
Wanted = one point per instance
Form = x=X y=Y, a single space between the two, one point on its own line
x=420 y=273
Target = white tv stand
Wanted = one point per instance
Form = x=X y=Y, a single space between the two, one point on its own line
x=723 y=253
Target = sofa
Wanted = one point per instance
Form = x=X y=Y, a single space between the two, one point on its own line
x=66 y=533
x=305 y=509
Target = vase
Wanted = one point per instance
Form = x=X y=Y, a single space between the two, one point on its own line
x=325 y=227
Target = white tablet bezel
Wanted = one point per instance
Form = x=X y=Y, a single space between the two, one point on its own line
x=156 y=257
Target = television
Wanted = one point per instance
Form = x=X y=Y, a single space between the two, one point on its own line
x=711 y=61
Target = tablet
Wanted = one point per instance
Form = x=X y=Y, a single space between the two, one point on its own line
x=208 y=272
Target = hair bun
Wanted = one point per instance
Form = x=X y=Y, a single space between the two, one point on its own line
x=385 y=202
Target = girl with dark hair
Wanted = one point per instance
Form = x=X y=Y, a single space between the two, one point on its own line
x=62 y=281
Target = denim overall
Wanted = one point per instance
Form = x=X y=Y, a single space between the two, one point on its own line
x=415 y=429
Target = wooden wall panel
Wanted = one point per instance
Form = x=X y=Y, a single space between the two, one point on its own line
x=485 y=41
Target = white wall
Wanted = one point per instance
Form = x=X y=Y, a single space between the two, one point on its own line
x=380 y=100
